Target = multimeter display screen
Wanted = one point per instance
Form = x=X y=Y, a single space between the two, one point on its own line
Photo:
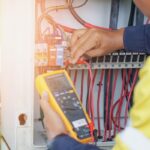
x=58 y=83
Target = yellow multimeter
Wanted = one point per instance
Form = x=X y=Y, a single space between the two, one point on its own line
x=64 y=100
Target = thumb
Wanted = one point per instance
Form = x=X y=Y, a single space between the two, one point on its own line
x=44 y=102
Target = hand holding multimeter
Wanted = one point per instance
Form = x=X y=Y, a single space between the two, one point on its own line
x=52 y=121
x=64 y=100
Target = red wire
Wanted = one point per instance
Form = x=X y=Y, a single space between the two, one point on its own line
x=112 y=110
x=125 y=94
x=121 y=100
x=83 y=22
x=129 y=97
x=112 y=99
x=82 y=83
x=94 y=77
x=98 y=102
x=88 y=25
x=66 y=28
x=126 y=88
x=75 y=77
x=107 y=96
x=91 y=96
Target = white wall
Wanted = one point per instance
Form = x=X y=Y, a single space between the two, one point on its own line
x=17 y=71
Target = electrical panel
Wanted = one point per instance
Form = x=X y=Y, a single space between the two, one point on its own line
x=113 y=76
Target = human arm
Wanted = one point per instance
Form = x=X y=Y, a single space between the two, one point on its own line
x=65 y=142
x=137 y=38
x=97 y=42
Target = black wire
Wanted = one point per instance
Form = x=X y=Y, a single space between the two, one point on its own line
x=130 y=23
x=132 y=12
x=114 y=14
x=41 y=117
x=139 y=17
x=81 y=5
x=87 y=96
x=105 y=93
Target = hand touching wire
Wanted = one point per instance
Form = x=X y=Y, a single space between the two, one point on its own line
x=95 y=42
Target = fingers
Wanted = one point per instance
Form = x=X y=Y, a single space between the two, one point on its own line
x=52 y=121
x=44 y=103
x=85 y=43
x=47 y=109
x=76 y=35
x=96 y=52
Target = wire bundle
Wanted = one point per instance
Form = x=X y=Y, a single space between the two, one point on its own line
x=117 y=115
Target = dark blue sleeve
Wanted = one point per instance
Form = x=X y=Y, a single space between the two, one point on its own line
x=65 y=142
x=137 y=38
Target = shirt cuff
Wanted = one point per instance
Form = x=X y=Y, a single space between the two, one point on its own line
x=135 y=38
x=64 y=142
x=50 y=142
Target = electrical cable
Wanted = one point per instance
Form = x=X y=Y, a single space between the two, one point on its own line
x=139 y=17
x=87 y=95
x=127 y=83
x=131 y=23
x=81 y=5
x=82 y=85
x=130 y=94
x=75 y=77
x=91 y=93
x=90 y=98
x=50 y=21
x=132 y=13
x=127 y=80
x=106 y=125
x=118 y=102
x=105 y=95
x=121 y=100
x=45 y=15
x=98 y=102
x=112 y=99
x=113 y=108
x=80 y=20
x=114 y=14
